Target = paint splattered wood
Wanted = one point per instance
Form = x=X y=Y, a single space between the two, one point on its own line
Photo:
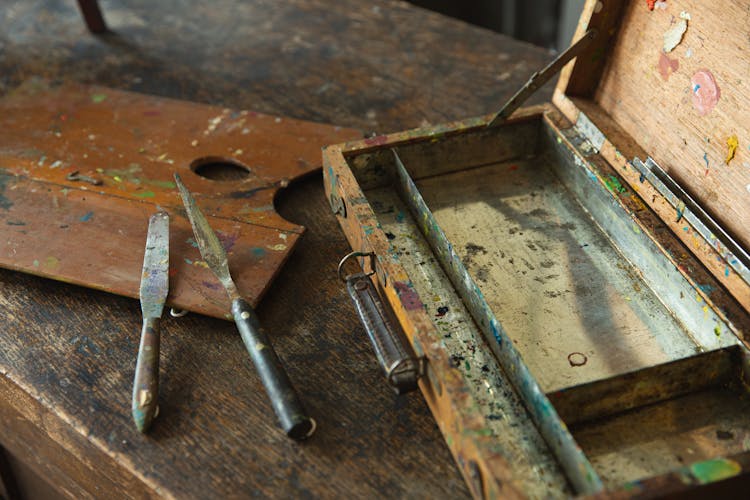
x=681 y=107
x=82 y=168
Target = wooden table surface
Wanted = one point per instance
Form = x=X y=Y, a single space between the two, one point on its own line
x=67 y=354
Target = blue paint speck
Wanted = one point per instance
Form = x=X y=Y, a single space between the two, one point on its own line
x=705 y=158
x=258 y=252
x=400 y=216
x=86 y=217
x=191 y=241
x=695 y=88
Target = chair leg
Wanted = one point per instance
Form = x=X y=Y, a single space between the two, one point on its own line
x=93 y=15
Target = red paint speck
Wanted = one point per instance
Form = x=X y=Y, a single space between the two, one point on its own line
x=377 y=140
x=650 y=4
x=409 y=298
x=513 y=167
x=667 y=66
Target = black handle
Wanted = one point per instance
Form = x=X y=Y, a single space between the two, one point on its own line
x=287 y=405
x=146 y=382
x=401 y=367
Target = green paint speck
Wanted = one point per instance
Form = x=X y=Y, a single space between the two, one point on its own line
x=614 y=185
x=98 y=98
x=51 y=262
x=144 y=194
x=161 y=184
x=717 y=331
x=710 y=471
x=36 y=263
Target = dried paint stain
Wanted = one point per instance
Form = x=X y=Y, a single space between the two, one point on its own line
x=667 y=66
x=732 y=143
x=409 y=297
x=706 y=92
x=673 y=36
x=87 y=217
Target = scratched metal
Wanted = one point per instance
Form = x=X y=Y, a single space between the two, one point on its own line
x=155 y=279
x=734 y=255
x=518 y=441
x=579 y=471
x=655 y=270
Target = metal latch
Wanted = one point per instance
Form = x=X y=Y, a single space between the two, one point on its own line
x=401 y=366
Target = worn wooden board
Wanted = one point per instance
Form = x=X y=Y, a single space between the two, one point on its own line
x=94 y=235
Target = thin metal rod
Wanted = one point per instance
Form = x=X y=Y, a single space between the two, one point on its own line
x=540 y=78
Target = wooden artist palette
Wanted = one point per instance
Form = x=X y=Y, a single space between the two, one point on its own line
x=83 y=168
x=576 y=277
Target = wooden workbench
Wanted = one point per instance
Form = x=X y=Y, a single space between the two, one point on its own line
x=67 y=354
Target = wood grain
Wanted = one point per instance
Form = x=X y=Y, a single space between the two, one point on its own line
x=67 y=353
x=657 y=109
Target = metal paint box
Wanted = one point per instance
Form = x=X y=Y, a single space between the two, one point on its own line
x=583 y=319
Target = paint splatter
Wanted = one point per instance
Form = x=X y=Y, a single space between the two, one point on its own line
x=227 y=240
x=650 y=4
x=717 y=469
x=212 y=285
x=278 y=247
x=400 y=216
x=191 y=241
x=258 y=251
x=706 y=92
x=98 y=98
x=86 y=217
x=705 y=158
x=15 y=223
x=409 y=298
x=144 y=194
x=442 y=311
x=667 y=66
x=673 y=36
x=732 y=143
x=51 y=262
x=614 y=185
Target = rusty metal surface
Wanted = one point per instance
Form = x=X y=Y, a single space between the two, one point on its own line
x=82 y=168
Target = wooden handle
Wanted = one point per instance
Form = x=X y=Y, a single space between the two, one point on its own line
x=146 y=382
x=284 y=399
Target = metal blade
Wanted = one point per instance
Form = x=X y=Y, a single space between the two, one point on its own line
x=209 y=245
x=155 y=277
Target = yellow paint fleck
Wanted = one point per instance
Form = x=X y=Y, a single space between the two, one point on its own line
x=194 y=143
x=51 y=262
x=117 y=178
x=278 y=247
x=705 y=311
x=144 y=398
x=200 y=263
x=732 y=143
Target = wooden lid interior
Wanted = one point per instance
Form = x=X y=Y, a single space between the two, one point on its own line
x=685 y=107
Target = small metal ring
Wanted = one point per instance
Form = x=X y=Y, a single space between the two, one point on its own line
x=353 y=255
x=177 y=313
